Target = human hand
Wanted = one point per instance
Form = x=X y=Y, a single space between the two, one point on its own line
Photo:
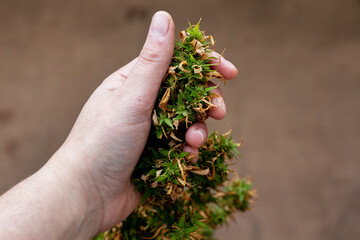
x=111 y=131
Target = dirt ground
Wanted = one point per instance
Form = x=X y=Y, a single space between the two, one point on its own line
x=295 y=104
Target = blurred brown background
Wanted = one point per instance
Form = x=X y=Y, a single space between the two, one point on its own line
x=295 y=104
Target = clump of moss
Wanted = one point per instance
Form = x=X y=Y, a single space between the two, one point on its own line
x=183 y=200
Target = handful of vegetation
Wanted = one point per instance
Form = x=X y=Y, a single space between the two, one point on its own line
x=182 y=199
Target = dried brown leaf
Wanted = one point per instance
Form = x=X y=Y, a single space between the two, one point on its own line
x=144 y=177
x=202 y=172
x=176 y=124
x=227 y=133
x=172 y=69
x=182 y=182
x=206 y=56
x=158 y=172
x=164 y=101
x=154 y=118
x=158 y=231
x=197 y=69
x=170 y=186
x=219 y=194
x=182 y=68
x=183 y=36
x=196 y=236
x=163 y=130
x=174 y=137
x=213 y=170
x=181 y=167
x=187 y=122
x=211 y=40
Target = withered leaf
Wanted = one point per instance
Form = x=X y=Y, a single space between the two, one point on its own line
x=182 y=68
x=154 y=118
x=172 y=69
x=197 y=69
x=158 y=231
x=176 y=124
x=202 y=172
x=174 y=137
x=164 y=101
x=182 y=182
x=211 y=40
x=158 y=172
x=183 y=36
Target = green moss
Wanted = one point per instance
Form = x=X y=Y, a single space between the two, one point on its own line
x=182 y=200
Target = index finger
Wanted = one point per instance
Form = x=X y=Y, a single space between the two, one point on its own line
x=225 y=67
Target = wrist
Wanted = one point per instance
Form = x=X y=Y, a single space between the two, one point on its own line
x=77 y=195
x=50 y=204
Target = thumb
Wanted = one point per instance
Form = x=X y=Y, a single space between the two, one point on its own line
x=144 y=80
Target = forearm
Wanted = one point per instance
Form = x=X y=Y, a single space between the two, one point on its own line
x=48 y=205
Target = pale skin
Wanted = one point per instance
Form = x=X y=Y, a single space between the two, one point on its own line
x=85 y=187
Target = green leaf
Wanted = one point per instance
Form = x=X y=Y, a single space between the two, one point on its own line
x=183 y=154
x=182 y=221
x=161 y=178
x=210 y=88
x=168 y=122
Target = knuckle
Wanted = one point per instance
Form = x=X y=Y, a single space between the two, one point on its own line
x=149 y=55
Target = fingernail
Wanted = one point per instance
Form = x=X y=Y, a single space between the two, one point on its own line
x=194 y=153
x=202 y=133
x=219 y=103
x=230 y=64
x=187 y=148
x=160 y=24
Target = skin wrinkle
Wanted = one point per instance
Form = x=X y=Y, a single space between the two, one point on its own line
x=148 y=57
x=122 y=76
